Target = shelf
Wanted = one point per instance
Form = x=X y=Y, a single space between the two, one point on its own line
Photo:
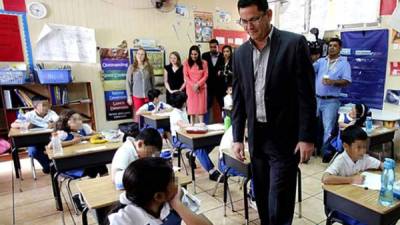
x=74 y=103
x=16 y=109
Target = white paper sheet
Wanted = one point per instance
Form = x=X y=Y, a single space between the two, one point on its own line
x=372 y=181
x=66 y=43
x=292 y=16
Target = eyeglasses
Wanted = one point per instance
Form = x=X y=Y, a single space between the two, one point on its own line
x=252 y=21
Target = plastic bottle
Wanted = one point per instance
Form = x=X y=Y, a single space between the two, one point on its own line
x=368 y=124
x=387 y=181
x=227 y=122
x=56 y=143
x=22 y=120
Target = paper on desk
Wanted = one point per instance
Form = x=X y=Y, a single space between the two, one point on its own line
x=372 y=181
x=40 y=129
x=215 y=127
x=163 y=114
x=92 y=149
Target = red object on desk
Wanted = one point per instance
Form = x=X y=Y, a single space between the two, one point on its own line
x=10 y=39
x=14 y=5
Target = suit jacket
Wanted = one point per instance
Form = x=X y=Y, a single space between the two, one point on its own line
x=213 y=80
x=289 y=92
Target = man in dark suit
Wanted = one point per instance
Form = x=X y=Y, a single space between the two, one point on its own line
x=215 y=61
x=273 y=89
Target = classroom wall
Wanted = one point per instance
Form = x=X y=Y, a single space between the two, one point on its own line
x=117 y=20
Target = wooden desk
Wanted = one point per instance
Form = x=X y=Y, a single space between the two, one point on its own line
x=25 y=139
x=245 y=169
x=196 y=141
x=360 y=204
x=78 y=156
x=381 y=136
x=100 y=193
x=157 y=121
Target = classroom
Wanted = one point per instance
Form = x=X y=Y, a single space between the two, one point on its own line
x=200 y=112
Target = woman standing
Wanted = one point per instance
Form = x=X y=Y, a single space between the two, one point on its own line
x=173 y=75
x=195 y=71
x=139 y=80
x=226 y=69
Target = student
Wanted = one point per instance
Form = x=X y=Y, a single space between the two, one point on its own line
x=179 y=119
x=72 y=130
x=152 y=197
x=154 y=105
x=147 y=143
x=40 y=116
x=228 y=102
x=346 y=167
x=356 y=116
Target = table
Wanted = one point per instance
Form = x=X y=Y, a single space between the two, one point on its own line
x=245 y=168
x=381 y=136
x=100 y=193
x=77 y=156
x=157 y=120
x=21 y=139
x=360 y=204
x=195 y=141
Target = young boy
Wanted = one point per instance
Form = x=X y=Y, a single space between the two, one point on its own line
x=148 y=143
x=154 y=104
x=346 y=168
x=179 y=119
x=41 y=116
x=228 y=102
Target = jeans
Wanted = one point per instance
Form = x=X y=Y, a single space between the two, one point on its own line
x=327 y=110
x=37 y=152
x=200 y=153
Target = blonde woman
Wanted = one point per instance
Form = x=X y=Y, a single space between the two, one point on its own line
x=139 y=80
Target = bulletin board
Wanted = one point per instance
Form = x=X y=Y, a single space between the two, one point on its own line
x=10 y=39
x=156 y=58
x=233 y=38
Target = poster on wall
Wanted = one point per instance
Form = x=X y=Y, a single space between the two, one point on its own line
x=203 y=26
x=10 y=39
x=394 y=68
x=156 y=58
x=366 y=51
x=114 y=63
x=395 y=39
x=233 y=38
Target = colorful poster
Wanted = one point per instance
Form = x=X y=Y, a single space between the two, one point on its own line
x=203 y=26
x=367 y=53
x=396 y=39
x=395 y=68
x=156 y=58
x=114 y=63
x=232 y=37
x=14 y=5
x=10 y=39
x=387 y=7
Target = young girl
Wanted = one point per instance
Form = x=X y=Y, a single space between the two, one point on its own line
x=195 y=71
x=72 y=131
x=152 y=197
x=139 y=80
x=356 y=116
x=179 y=119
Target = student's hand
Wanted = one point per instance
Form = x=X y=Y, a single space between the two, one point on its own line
x=238 y=151
x=306 y=150
x=358 y=179
x=76 y=140
x=129 y=100
x=51 y=125
x=176 y=200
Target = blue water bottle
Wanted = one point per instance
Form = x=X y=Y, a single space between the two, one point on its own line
x=368 y=124
x=387 y=181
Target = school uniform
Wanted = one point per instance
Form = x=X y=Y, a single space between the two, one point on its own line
x=343 y=165
x=85 y=130
x=122 y=158
x=228 y=102
x=345 y=118
x=201 y=153
x=37 y=151
x=132 y=214
x=151 y=106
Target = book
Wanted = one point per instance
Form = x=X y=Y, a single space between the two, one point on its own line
x=20 y=98
x=7 y=98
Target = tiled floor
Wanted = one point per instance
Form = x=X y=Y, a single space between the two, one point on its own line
x=35 y=205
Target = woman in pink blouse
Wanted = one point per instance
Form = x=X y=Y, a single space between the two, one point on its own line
x=195 y=72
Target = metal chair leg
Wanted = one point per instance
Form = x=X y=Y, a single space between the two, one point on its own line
x=216 y=185
x=68 y=186
x=299 y=194
x=180 y=159
x=33 y=168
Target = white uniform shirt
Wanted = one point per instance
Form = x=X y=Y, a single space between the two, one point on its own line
x=228 y=102
x=134 y=215
x=86 y=127
x=226 y=141
x=344 y=166
x=122 y=158
x=175 y=116
x=145 y=108
x=33 y=118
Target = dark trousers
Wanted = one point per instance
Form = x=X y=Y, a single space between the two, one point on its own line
x=274 y=169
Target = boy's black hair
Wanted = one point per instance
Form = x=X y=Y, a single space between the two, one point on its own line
x=178 y=99
x=142 y=179
x=337 y=40
x=213 y=41
x=62 y=122
x=262 y=5
x=152 y=94
x=353 y=133
x=130 y=130
x=362 y=111
x=150 y=137
x=37 y=99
